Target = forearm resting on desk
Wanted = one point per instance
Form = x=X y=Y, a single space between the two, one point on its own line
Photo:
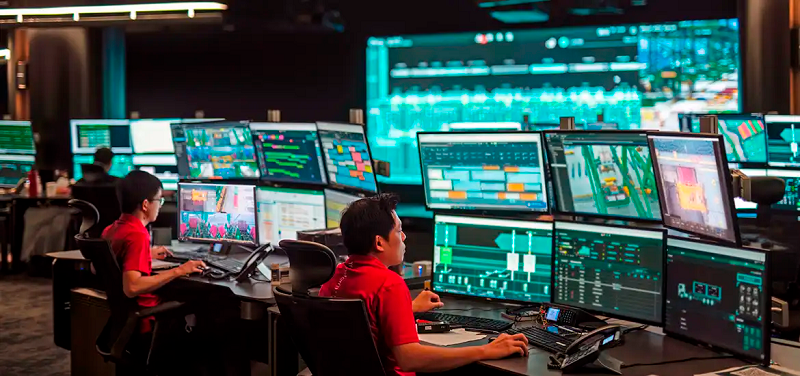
x=414 y=357
x=135 y=284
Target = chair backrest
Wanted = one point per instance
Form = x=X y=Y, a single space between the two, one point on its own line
x=89 y=215
x=311 y=264
x=105 y=200
x=332 y=335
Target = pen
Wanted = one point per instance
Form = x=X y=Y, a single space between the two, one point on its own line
x=484 y=331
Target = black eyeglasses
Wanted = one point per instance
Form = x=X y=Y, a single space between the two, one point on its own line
x=160 y=200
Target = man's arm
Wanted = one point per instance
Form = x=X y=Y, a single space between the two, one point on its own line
x=135 y=284
x=415 y=357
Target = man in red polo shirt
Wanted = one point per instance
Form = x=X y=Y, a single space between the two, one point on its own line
x=140 y=201
x=374 y=237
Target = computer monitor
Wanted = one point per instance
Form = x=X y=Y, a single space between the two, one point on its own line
x=492 y=258
x=783 y=138
x=614 y=271
x=347 y=156
x=13 y=168
x=719 y=296
x=121 y=165
x=695 y=184
x=215 y=150
x=481 y=126
x=152 y=136
x=289 y=152
x=282 y=212
x=217 y=213
x=603 y=173
x=745 y=137
x=89 y=135
x=163 y=166
x=689 y=123
x=335 y=203
x=16 y=137
x=483 y=171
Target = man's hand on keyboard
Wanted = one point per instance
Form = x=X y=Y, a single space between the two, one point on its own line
x=160 y=252
x=506 y=345
x=426 y=301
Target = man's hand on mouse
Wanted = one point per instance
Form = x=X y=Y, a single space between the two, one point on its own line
x=426 y=301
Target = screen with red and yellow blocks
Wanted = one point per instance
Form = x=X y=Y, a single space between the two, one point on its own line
x=217 y=213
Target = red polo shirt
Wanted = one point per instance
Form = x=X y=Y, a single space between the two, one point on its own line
x=130 y=242
x=388 y=302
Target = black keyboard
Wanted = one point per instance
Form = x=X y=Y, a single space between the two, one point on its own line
x=465 y=321
x=229 y=265
x=543 y=339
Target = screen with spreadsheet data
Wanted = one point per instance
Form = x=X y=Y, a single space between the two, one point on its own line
x=282 y=212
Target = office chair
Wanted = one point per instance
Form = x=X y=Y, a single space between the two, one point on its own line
x=120 y=341
x=317 y=325
x=105 y=200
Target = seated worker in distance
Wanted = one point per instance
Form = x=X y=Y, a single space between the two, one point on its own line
x=140 y=201
x=97 y=173
x=373 y=235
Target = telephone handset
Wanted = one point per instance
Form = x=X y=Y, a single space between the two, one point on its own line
x=588 y=349
x=256 y=258
x=571 y=316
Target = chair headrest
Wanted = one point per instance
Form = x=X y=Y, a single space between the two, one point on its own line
x=311 y=264
x=89 y=213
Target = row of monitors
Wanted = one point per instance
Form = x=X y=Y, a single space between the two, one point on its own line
x=305 y=153
x=714 y=294
x=678 y=178
x=254 y=215
x=163 y=166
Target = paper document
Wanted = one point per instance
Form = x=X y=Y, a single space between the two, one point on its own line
x=453 y=337
x=753 y=370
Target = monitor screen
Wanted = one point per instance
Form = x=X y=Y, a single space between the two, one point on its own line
x=483 y=171
x=89 y=135
x=638 y=76
x=604 y=173
x=335 y=203
x=347 y=156
x=783 y=137
x=121 y=165
x=493 y=258
x=16 y=137
x=615 y=271
x=282 y=212
x=163 y=166
x=745 y=137
x=215 y=150
x=289 y=152
x=13 y=168
x=217 y=213
x=719 y=296
x=152 y=136
x=694 y=184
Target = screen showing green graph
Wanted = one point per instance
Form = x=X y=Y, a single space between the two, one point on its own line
x=636 y=76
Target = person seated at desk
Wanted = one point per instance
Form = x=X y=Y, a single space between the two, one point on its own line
x=373 y=235
x=97 y=173
x=140 y=201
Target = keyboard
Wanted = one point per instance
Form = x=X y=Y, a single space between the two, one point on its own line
x=228 y=264
x=543 y=339
x=465 y=321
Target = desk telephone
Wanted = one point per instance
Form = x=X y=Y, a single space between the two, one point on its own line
x=565 y=315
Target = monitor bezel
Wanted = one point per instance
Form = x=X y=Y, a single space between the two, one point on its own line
x=318 y=192
x=733 y=116
x=765 y=309
x=613 y=314
x=488 y=210
x=322 y=182
x=182 y=239
x=369 y=150
x=556 y=207
x=737 y=241
x=481 y=298
x=204 y=124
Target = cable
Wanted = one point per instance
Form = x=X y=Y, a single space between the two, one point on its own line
x=634 y=329
x=675 y=361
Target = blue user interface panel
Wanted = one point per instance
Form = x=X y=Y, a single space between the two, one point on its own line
x=783 y=138
x=347 y=156
x=121 y=165
x=13 y=168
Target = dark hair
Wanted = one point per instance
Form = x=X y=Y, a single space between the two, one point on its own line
x=135 y=188
x=104 y=156
x=366 y=218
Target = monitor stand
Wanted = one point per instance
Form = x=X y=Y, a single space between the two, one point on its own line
x=606 y=363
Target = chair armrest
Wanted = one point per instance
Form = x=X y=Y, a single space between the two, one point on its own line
x=159 y=309
x=119 y=346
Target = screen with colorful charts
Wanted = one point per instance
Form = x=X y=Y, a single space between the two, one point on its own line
x=90 y=135
x=335 y=203
x=603 y=173
x=121 y=165
x=745 y=137
x=493 y=258
x=612 y=270
x=16 y=137
x=486 y=171
x=289 y=152
x=692 y=175
x=217 y=213
x=719 y=296
x=282 y=212
x=347 y=156
x=13 y=168
x=638 y=76
x=152 y=136
x=216 y=150
x=783 y=138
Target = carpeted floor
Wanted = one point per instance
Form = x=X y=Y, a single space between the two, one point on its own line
x=26 y=329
